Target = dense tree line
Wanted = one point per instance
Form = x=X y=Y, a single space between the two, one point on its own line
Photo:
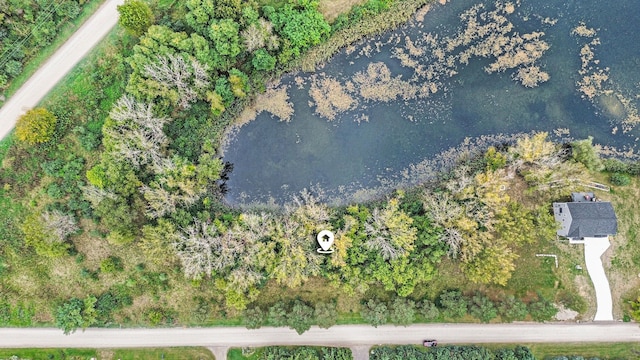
x=26 y=26
x=304 y=352
x=451 y=353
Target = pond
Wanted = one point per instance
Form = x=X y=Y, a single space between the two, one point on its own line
x=382 y=111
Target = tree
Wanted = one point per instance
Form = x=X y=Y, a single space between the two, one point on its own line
x=453 y=304
x=402 y=311
x=300 y=318
x=254 y=318
x=482 y=308
x=135 y=16
x=277 y=314
x=225 y=36
x=428 y=310
x=302 y=26
x=189 y=78
x=134 y=133
x=262 y=60
x=69 y=315
x=374 y=312
x=36 y=126
x=511 y=309
x=42 y=238
x=583 y=151
x=542 y=309
x=205 y=251
x=389 y=231
x=326 y=314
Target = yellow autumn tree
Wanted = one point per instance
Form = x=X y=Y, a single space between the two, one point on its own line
x=36 y=126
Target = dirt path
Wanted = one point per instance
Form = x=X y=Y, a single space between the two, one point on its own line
x=59 y=64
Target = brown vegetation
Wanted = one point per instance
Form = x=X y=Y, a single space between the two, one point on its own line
x=597 y=86
x=330 y=97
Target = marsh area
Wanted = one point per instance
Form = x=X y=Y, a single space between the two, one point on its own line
x=384 y=111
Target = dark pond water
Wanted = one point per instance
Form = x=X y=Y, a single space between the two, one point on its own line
x=273 y=159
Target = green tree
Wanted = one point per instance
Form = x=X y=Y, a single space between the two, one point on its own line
x=482 y=308
x=277 y=314
x=300 y=318
x=36 y=126
x=583 y=151
x=69 y=316
x=135 y=16
x=402 y=311
x=262 y=60
x=254 y=318
x=326 y=314
x=428 y=310
x=453 y=304
x=374 y=312
x=511 y=309
x=542 y=309
x=300 y=25
x=225 y=36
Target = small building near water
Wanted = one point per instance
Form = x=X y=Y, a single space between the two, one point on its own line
x=585 y=217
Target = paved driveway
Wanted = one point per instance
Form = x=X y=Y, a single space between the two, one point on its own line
x=593 y=250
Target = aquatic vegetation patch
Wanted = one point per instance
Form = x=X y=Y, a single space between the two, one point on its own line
x=596 y=85
x=274 y=101
x=330 y=97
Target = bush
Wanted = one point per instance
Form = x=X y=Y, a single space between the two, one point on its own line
x=111 y=264
x=36 y=126
x=620 y=179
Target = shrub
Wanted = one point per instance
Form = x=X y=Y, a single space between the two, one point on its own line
x=36 y=126
x=111 y=264
x=620 y=179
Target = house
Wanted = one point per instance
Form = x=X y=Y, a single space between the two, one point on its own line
x=585 y=217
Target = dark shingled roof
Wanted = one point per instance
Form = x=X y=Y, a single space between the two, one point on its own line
x=592 y=219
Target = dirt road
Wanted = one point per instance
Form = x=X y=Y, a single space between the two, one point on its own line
x=59 y=64
x=345 y=335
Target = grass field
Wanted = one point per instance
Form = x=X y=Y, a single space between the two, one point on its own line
x=176 y=353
